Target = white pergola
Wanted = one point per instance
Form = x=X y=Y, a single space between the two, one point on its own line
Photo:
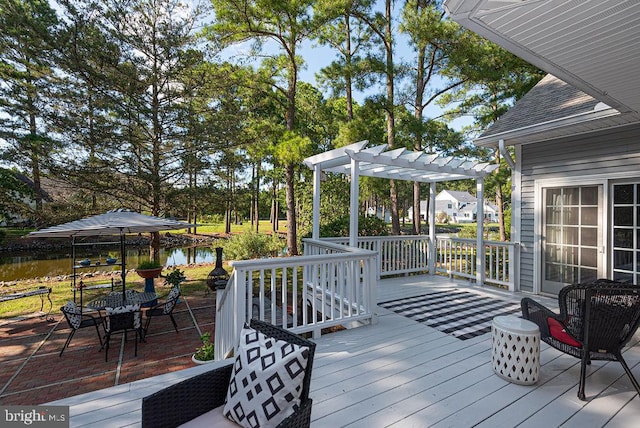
x=399 y=164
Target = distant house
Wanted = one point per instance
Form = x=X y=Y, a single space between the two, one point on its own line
x=460 y=207
x=18 y=198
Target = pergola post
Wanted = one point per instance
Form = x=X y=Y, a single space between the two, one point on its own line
x=480 y=274
x=315 y=231
x=353 y=203
x=432 y=228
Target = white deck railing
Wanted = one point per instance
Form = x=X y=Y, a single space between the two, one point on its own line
x=397 y=254
x=330 y=285
x=457 y=257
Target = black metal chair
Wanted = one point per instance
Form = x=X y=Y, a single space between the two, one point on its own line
x=121 y=319
x=596 y=321
x=186 y=400
x=78 y=319
x=164 y=309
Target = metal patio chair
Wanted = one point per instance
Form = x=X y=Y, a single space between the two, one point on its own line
x=121 y=319
x=596 y=321
x=78 y=319
x=164 y=309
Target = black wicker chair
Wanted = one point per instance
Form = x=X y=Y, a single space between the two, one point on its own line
x=596 y=321
x=186 y=400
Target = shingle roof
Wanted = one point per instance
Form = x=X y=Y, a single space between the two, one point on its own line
x=550 y=99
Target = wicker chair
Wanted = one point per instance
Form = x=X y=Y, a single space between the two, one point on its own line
x=596 y=320
x=186 y=400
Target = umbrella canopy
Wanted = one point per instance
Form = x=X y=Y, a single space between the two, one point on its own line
x=118 y=222
x=110 y=223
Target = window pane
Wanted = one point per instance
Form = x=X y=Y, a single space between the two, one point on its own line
x=571 y=215
x=623 y=277
x=554 y=215
x=552 y=272
x=589 y=236
x=554 y=234
x=571 y=255
x=590 y=195
x=623 y=238
x=571 y=196
x=623 y=216
x=623 y=260
x=553 y=196
x=623 y=194
x=570 y=236
x=552 y=253
x=589 y=216
x=588 y=275
x=589 y=257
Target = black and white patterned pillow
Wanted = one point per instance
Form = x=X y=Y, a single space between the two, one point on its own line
x=266 y=381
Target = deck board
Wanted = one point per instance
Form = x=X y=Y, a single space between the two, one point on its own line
x=399 y=372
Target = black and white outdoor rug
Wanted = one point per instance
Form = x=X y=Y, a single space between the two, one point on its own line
x=459 y=313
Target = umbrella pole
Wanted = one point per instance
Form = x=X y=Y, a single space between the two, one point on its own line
x=124 y=264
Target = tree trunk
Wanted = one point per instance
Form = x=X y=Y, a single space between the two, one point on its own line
x=393 y=190
x=348 y=83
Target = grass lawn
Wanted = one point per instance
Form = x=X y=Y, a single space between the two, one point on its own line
x=61 y=291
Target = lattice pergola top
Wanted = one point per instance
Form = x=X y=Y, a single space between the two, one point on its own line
x=398 y=164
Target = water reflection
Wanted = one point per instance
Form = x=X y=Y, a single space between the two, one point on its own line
x=31 y=265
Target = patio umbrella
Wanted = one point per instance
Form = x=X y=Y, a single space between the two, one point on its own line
x=117 y=222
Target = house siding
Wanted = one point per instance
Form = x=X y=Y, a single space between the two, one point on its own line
x=607 y=152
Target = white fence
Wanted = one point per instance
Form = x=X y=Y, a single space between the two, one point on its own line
x=457 y=257
x=330 y=285
x=396 y=254
x=334 y=284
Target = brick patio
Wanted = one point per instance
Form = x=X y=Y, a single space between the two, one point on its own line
x=33 y=373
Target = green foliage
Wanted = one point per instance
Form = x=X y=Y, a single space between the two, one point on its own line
x=175 y=277
x=206 y=351
x=148 y=264
x=367 y=226
x=251 y=245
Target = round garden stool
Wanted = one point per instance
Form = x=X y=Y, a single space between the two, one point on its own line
x=516 y=349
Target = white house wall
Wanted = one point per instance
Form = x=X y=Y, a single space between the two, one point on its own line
x=613 y=153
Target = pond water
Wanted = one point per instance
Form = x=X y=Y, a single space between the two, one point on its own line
x=33 y=265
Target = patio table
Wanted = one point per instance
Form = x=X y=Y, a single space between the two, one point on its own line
x=113 y=300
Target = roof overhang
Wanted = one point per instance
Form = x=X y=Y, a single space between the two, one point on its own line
x=398 y=164
x=579 y=124
x=594 y=45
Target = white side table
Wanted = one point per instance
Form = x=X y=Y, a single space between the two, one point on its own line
x=516 y=349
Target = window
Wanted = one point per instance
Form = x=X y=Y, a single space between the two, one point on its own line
x=626 y=233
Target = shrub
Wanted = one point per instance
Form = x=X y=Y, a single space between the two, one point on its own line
x=367 y=226
x=251 y=245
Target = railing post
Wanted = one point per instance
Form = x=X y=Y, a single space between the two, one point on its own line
x=432 y=228
x=480 y=263
x=514 y=266
x=240 y=296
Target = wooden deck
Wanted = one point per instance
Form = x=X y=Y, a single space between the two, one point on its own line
x=402 y=373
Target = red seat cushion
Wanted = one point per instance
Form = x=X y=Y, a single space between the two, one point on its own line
x=557 y=331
